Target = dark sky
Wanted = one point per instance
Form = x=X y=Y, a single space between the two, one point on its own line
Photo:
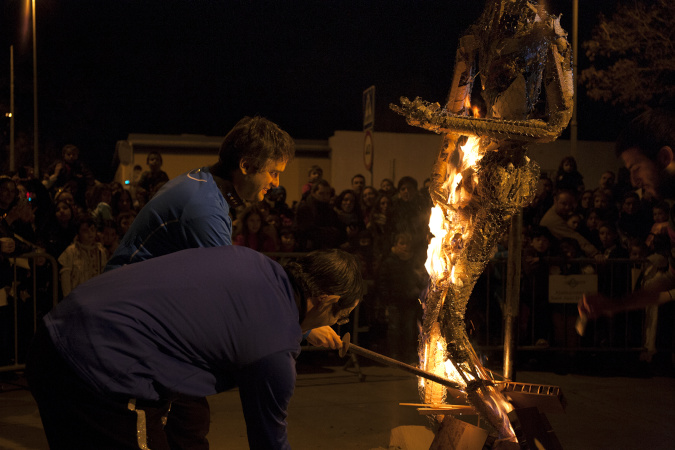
x=108 y=68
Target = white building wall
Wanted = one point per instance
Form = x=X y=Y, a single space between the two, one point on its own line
x=399 y=154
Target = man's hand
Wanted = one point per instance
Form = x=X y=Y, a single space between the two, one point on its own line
x=324 y=337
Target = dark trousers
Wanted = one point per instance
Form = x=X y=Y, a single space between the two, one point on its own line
x=75 y=416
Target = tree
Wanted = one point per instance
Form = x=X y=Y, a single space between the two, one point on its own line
x=633 y=56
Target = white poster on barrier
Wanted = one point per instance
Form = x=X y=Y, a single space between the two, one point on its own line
x=570 y=288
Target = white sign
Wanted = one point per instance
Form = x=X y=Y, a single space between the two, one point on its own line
x=570 y=288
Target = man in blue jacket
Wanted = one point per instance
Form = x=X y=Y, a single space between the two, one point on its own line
x=121 y=347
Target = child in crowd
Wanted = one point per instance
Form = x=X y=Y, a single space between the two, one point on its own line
x=399 y=283
x=108 y=237
x=251 y=234
x=534 y=308
x=152 y=180
x=574 y=221
x=568 y=176
x=84 y=258
x=287 y=240
x=658 y=240
x=387 y=187
x=315 y=174
x=70 y=171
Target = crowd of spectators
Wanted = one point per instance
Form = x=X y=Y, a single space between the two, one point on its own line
x=573 y=227
x=569 y=228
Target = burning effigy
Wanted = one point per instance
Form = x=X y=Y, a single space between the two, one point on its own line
x=520 y=56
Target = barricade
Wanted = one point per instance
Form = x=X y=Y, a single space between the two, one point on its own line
x=32 y=293
x=548 y=308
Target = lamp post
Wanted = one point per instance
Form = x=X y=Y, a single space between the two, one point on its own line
x=575 y=64
x=36 y=158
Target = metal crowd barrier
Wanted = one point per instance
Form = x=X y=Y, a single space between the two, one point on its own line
x=32 y=293
x=548 y=309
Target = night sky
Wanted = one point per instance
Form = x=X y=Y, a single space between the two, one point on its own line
x=107 y=68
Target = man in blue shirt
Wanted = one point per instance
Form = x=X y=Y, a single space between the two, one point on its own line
x=121 y=347
x=193 y=209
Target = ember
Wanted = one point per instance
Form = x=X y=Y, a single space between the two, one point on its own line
x=479 y=183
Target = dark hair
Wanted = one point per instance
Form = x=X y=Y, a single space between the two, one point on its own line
x=569 y=159
x=315 y=168
x=319 y=184
x=358 y=175
x=328 y=272
x=342 y=195
x=648 y=132
x=257 y=141
x=540 y=231
x=407 y=180
x=663 y=206
x=68 y=147
x=85 y=219
x=156 y=153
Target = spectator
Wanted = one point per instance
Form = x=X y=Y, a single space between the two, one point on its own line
x=124 y=221
x=574 y=222
x=607 y=180
x=381 y=227
x=287 y=240
x=108 y=237
x=16 y=214
x=585 y=203
x=410 y=216
x=604 y=205
x=658 y=240
x=556 y=217
x=387 y=187
x=368 y=198
x=152 y=180
x=251 y=233
x=70 y=171
x=535 y=316
x=589 y=227
x=568 y=176
x=122 y=201
x=61 y=229
x=541 y=202
x=99 y=200
x=348 y=211
x=317 y=224
x=358 y=183
x=399 y=283
x=84 y=258
x=315 y=174
x=276 y=198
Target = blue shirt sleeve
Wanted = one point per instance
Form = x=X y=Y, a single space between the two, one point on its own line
x=265 y=389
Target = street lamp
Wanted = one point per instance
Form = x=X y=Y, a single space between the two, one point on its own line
x=36 y=158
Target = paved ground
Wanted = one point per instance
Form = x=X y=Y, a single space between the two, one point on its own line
x=333 y=409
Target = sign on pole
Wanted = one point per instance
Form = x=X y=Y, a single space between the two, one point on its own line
x=369 y=108
x=368 y=124
x=368 y=151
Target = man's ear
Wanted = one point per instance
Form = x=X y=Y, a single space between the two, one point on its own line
x=665 y=156
x=245 y=166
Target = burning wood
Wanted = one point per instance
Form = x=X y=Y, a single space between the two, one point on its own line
x=480 y=181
